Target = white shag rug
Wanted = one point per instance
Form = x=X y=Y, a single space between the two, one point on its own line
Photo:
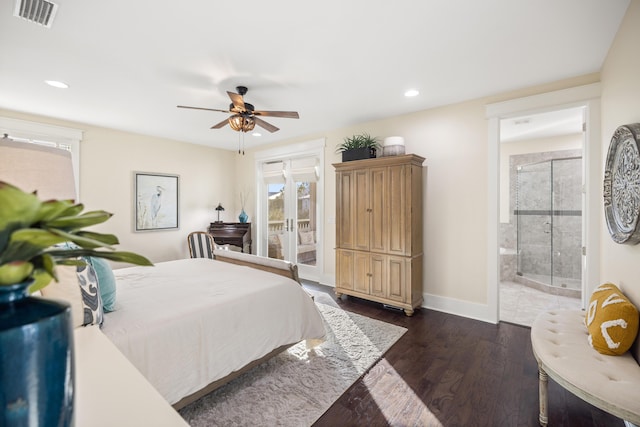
x=296 y=387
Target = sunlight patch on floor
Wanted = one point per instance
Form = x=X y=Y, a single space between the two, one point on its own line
x=395 y=398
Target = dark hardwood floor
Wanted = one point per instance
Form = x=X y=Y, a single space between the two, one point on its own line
x=452 y=371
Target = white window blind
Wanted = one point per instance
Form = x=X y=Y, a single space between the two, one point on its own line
x=273 y=172
x=42 y=134
x=304 y=169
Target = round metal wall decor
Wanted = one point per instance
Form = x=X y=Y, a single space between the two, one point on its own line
x=622 y=185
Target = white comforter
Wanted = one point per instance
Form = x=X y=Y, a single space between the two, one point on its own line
x=187 y=323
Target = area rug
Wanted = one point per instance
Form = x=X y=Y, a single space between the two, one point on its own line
x=296 y=387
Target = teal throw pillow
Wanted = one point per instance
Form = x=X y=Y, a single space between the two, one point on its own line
x=106 y=282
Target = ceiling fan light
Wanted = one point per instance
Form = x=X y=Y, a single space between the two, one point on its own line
x=241 y=124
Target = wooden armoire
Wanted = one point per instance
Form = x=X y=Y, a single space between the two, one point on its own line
x=379 y=230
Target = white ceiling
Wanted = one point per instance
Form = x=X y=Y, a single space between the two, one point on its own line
x=338 y=63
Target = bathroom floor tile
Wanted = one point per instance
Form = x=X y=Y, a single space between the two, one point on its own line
x=521 y=304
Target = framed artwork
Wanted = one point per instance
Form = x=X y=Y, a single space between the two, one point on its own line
x=156 y=201
x=622 y=185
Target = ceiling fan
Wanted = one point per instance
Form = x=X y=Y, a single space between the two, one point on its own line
x=244 y=116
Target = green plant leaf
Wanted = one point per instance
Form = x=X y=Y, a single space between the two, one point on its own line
x=48 y=264
x=37 y=237
x=20 y=250
x=77 y=222
x=15 y=272
x=41 y=278
x=72 y=210
x=78 y=262
x=31 y=229
x=82 y=241
x=363 y=140
x=16 y=206
x=123 y=256
x=52 y=209
x=107 y=239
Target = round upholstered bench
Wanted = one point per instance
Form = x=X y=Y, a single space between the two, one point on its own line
x=611 y=383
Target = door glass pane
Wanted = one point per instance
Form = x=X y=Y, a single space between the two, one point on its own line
x=275 y=211
x=306 y=218
x=567 y=223
x=533 y=201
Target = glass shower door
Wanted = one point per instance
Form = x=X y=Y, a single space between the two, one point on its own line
x=566 y=243
x=534 y=221
x=549 y=222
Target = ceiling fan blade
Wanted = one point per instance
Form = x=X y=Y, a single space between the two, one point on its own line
x=287 y=114
x=221 y=124
x=237 y=101
x=268 y=126
x=206 y=109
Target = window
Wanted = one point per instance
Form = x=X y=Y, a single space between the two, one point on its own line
x=46 y=135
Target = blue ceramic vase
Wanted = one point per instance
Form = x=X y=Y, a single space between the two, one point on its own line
x=243 y=217
x=36 y=360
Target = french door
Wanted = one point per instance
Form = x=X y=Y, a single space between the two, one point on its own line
x=289 y=223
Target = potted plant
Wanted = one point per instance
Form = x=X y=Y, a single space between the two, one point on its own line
x=357 y=147
x=36 y=336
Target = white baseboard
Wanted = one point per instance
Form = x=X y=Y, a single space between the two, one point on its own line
x=458 y=307
x=328 y=280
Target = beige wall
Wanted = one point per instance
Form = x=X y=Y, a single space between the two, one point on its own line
x=621 y=105
x=453 y=139
x=108 y=160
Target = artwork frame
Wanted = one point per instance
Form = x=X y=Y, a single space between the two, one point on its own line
x=156 y=203
x=622 y=185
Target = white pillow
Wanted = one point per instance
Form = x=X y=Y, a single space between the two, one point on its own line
x=306 y=237
x=77 y=286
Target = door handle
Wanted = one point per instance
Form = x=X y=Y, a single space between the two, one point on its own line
x=288 y=224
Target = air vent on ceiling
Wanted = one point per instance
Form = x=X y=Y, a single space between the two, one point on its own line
x=40 y=12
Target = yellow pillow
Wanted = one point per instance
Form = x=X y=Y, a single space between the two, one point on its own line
x=612 y=320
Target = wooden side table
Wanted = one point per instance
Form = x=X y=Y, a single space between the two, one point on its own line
x=231 y=233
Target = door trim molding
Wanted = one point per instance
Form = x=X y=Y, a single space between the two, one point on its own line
x=587 y=96
x=303 y=149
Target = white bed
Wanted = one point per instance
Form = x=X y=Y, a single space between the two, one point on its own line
x=188 y=323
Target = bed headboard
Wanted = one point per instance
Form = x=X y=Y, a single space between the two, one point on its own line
x=276 y=266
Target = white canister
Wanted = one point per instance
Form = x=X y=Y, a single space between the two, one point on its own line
x=393 y=140
x=393 y=150
x=393 y=146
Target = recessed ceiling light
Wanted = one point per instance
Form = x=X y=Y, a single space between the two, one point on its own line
x=57 y=84
x=256 y=134
x=411 y=93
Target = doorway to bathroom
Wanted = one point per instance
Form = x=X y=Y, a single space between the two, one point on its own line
x=541 y=214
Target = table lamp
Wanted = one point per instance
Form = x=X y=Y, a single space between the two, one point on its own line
x=219 y=208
